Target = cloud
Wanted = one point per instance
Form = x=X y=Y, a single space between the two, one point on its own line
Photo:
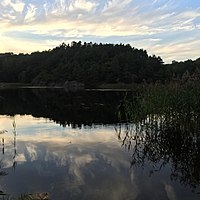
x=31 y=13
x=150 y=23
x=18 y=6
x=181 y=50
x=10 y=11
x=6 y=2
x=115 y=5
x=32 y=151
x=81 y=5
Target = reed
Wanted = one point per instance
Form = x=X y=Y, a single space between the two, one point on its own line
x=173 y=103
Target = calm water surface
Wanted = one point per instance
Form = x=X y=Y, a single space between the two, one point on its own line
x=72 y=147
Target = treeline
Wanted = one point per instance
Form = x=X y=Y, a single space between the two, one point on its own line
x=91 y=64
x=187 y=71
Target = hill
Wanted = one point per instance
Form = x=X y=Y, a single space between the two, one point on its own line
x=91 y=64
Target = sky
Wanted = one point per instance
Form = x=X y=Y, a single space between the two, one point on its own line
x=166 y=28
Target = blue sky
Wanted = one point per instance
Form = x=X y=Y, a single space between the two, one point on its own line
x=168 y=28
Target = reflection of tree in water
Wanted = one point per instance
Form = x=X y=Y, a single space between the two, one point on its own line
x=160 y=143
x=168 y=138
x=14 y=143
x=3 y=140
x=66 y=108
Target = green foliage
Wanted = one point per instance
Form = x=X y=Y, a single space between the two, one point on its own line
x=92 y=64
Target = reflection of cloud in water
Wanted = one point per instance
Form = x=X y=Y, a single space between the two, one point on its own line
x=88 y=169
x=32 y=151
x=21 y=158
x=90 y=158
x=76 y=163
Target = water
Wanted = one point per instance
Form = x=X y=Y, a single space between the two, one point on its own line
x=72 y=146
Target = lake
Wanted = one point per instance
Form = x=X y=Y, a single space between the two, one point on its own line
x=72 y=145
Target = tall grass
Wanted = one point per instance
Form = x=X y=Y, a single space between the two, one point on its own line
x=172 y=103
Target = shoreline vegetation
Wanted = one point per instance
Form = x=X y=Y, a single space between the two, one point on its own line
x=162 y=126
x=173 y=101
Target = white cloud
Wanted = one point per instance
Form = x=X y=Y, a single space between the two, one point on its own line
x=82 y=5
x=8 y=16
x=31 y=13
x=116 y=4
x=58 y=8
x=18 y=6
x=155 y=1
x=6 y=2
x=181 y=50
x=189 y=14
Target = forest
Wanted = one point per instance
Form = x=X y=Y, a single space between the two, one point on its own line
x=93 y=64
